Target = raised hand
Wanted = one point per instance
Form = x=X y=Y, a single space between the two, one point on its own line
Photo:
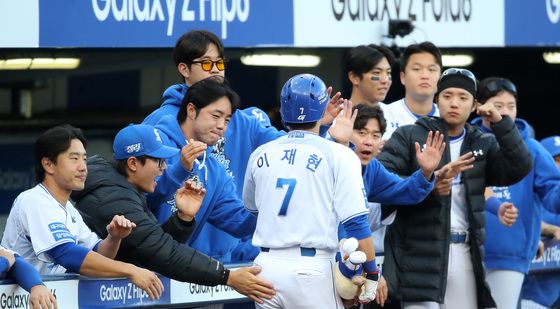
x=343 y=128
x=507 y=214
x=333 y=108
x=245 y=281
x=41 y=297
x=188 y=199
x=429 y=157
x=190 y=152
x=452 y=169
x=489 y=112
x=120 y=227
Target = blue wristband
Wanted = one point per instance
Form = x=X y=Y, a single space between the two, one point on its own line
x=370 y=267
x=493 y=204
x=4 y=264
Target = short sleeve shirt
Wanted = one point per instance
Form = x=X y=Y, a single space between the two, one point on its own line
x=38 y=223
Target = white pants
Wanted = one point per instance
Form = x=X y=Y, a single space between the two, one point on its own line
x=461 y=285
x=505 y=286
x=299 y=281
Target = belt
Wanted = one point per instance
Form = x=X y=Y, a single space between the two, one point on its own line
x=304 y=251
x=458 y=238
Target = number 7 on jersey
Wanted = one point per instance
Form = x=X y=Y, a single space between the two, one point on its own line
x=291 y=183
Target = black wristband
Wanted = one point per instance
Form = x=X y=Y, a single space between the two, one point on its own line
x=225 y=277
x=183 y=222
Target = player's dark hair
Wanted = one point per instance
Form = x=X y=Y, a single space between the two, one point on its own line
x=389 y=55
x=367 y=112
x=362 y=59
x=205 y=92
x=424 y=47
x=53 y=142
x=121 y=165
x=493 y=86
x=194 y=44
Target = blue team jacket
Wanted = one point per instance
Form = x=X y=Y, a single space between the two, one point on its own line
x=383 y=186
x=243 y=135
x=221 y=207
x=513 y=248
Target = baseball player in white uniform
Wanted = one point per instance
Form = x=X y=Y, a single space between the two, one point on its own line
x=54 y=225
x=398 y=114
x=420 y=71
x=48 y=232
x=302 y=187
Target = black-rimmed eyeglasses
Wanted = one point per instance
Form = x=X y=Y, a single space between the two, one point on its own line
x=463 y=72
x=160 y=161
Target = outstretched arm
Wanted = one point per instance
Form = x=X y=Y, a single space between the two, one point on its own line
x=119 y=228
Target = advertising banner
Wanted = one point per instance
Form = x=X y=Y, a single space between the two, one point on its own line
x=532 y=23
x=447 y=23
x=159 y=23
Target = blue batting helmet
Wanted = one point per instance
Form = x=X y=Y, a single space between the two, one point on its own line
x=303 y=99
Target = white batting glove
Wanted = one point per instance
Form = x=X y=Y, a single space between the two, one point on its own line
x=369 y=288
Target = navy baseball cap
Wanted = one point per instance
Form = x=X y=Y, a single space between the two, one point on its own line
x=258 y=113
x=137 y=140
x=552 y=145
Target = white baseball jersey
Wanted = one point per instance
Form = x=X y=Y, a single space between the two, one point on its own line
x=397 y=114
x=302 y=187
x=38 y=223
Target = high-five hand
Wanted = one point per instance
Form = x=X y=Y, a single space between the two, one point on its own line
x=188 y=199
x=120 y=227
x=344 y=125
x=428 y=158
x=333 y=108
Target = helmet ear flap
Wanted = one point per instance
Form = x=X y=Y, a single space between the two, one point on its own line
x=303 y=99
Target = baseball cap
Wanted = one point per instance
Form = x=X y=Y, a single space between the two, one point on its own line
x=458 y=78
x=137 y=140
x=552 y=145
x=258 y=113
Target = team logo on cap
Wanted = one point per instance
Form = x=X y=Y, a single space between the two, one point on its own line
x=157 y=136
x=557 y=141
x=133 y=148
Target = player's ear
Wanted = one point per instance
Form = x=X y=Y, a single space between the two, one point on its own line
x=48 y=165
x=353 y=78
x=191 y=111
x=183 y=69
x=132 y=164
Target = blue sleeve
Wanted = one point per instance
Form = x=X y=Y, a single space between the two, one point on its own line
x=4 y=265
x=546 y=178
x=229 y=214
x=550 y=217
x=69 y=255
x=323 y=129
x=262 y=134
x=24 y=274
x=386 y=187
x=493 y=205
x=357 y=227
x=244 y=251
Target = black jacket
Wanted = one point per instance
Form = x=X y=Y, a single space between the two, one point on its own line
x=417 y=243
x=150 y=245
